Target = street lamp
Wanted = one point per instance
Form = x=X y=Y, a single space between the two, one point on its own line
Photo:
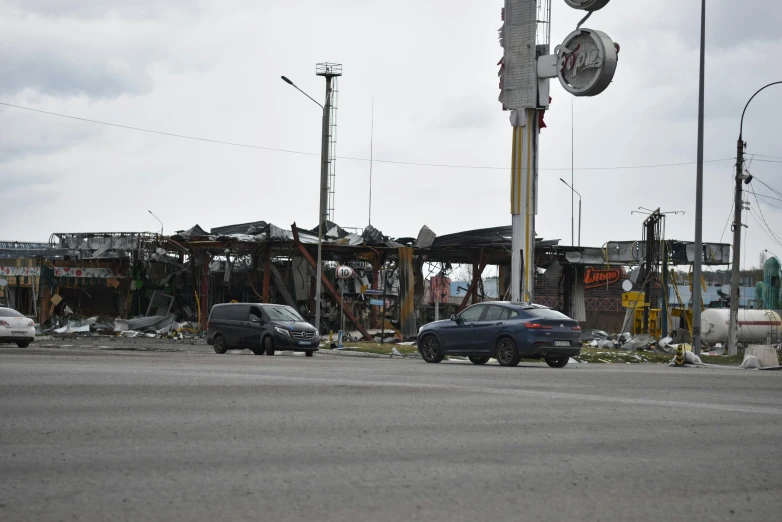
x=579 y=208
x=324 y=159
x=161 y=223
x=739 y=205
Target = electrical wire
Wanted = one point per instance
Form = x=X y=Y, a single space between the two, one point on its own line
x=764 y=217
x=302 y=153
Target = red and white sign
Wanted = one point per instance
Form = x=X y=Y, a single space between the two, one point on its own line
x=344 y=272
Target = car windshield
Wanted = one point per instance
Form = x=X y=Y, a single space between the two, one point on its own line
x=283 y=313
x=7 y=312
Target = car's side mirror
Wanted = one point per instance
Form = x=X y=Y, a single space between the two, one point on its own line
x=453 y=318
x=256 y=319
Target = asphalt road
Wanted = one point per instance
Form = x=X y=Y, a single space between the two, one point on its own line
x=113 y=435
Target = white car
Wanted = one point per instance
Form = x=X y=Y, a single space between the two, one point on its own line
x=16 y=328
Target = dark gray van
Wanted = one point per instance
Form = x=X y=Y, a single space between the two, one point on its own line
x=262 y=328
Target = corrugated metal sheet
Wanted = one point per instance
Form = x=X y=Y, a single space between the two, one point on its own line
x=407 y=293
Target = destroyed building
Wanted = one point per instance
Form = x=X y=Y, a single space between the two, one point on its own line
x=398 y=283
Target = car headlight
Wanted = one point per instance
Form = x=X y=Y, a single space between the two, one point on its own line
x=282 y=331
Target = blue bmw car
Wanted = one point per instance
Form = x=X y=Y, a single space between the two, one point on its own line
x=505 y=331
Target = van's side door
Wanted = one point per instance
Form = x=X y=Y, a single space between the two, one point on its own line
x=252 y=331
x=237 y=318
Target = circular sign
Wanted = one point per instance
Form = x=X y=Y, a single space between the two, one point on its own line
x=344 y=272
x=587 y=5
x=586 y=62
x=627 y=285
x=3 y=282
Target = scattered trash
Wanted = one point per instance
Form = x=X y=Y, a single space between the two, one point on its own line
x=665 y=343
x=691 y=358
x=639 y=341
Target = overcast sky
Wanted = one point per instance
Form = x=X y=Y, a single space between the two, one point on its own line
x=212 y=69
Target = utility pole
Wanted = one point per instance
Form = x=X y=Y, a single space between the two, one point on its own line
x=697 y=270
x=734 y=276
x=738 y=206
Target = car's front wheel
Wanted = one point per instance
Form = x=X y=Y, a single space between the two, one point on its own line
x=268 y=345
x=23 y=344
x=558 y=362
x=430 y=349
x=258 y=351
x=507 y=353
x=478 y=360
x=219 y=344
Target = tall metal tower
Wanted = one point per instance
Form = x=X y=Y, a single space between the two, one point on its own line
x=331 y=71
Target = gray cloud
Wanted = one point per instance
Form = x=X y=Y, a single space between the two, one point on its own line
x=70 y=72
x=94 y=9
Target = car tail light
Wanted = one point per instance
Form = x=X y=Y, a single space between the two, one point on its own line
x=576 y=328
x=537 y=326
x=30 y=323
x=4 y=323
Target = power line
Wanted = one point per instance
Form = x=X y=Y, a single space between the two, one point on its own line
x=762 y=216
x=772 y=189
x=392 y=162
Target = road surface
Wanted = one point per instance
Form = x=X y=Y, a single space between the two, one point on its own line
x=115 y=435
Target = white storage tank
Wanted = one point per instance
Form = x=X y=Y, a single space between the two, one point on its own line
x=755 y=326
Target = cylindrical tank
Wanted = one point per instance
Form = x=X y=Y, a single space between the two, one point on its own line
x=771 y=284
x=755 y=326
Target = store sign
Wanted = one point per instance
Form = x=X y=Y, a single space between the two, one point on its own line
x=586 y=62
x=20 y=271
x=587 y=5
x=594 y=278
x=95 y=273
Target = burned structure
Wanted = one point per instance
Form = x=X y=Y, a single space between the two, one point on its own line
x=398 y=284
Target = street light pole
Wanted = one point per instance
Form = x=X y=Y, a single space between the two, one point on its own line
x=579 y=207
x=161 y=223
x=698 y=261
x=324 y=173
x=734 y=278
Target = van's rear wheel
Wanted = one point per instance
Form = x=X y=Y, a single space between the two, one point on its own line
x=268 y=345
x=219 y=344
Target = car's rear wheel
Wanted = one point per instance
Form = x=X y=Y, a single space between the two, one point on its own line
x=507 y=353
x=219 y=344
x=558 y=362
x=23 y=344
x=268 y=345
x=430 y=349
x=478 y=360
x=309 y=353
